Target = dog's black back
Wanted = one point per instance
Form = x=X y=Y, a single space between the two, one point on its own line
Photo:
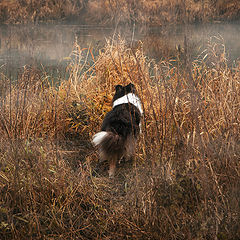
x=123 y=120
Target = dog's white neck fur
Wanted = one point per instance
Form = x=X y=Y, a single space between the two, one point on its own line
x=129 y=98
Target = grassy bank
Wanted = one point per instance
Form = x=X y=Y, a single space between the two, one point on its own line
x=106 y=12
x=184 y=183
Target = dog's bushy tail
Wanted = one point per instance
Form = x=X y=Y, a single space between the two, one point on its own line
x=111 y=148
x=108 y=142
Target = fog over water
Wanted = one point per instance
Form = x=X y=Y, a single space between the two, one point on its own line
x=51 y=45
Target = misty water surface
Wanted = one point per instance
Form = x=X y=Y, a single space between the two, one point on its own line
x=49 y=46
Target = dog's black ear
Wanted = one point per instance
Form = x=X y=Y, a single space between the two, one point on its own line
x=130 y=88
x=118 y=88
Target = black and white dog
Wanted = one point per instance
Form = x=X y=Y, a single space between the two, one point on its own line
x=120 y=127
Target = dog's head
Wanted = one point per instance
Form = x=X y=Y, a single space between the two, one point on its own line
x=123 y=90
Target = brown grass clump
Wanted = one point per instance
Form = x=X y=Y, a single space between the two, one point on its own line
x=26 y=11
x=185 y=180
x=30 y=107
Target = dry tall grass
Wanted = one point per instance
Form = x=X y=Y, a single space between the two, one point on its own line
x=185 y=180
x=153 y=12
x=25 y=11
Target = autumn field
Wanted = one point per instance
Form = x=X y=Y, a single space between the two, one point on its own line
x=184 y=182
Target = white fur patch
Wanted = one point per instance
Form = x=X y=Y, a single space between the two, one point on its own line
x=129 y=98
x=98 y=137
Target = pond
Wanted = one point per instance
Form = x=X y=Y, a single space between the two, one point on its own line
x=49 y=46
